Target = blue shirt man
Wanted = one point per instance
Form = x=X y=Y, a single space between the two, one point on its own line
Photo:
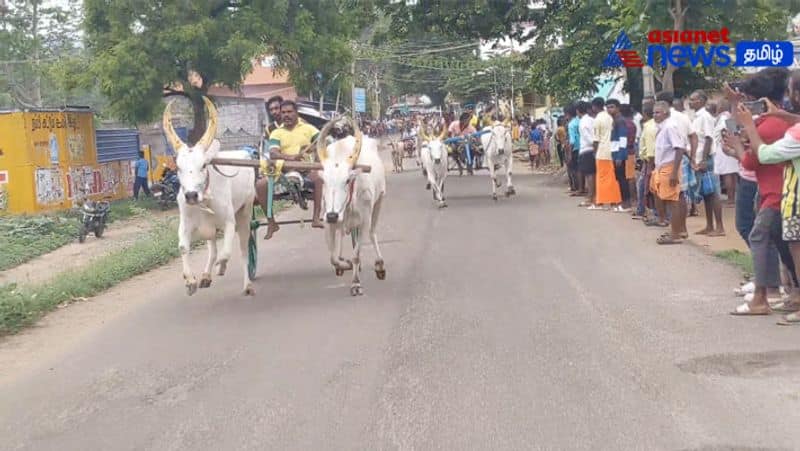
x=140 y=182
x=573 y=131
x=536 y=136
x=142 y=167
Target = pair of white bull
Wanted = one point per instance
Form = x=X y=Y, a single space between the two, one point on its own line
x=211 y=199
x=497 y=145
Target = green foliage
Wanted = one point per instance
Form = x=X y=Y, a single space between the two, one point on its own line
x=24 y=238
x=739 y=259
x=22 y=306
x=143 y=48
x=470 y=19
x=572 y=37
x=34 y=35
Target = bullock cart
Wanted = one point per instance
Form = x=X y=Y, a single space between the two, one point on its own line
x=284 y=176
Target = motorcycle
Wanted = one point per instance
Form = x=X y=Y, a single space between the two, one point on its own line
x=166 y=189
x=95 y=215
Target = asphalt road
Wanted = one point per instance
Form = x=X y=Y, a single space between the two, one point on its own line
x=522 y=324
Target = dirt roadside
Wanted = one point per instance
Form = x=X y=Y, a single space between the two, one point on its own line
x=74 y=255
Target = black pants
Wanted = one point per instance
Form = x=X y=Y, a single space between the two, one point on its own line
x=624 y=188
x=140 y=182
x=560 y=151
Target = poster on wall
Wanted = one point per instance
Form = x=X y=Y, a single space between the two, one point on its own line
x=49 y=189
x=53 y=149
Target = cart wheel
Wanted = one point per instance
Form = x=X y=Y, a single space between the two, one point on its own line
x=98 y=231
x=252 y=255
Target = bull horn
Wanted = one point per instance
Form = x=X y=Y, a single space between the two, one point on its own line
x=357 y=147
x=169 y=131
x=322 y=147
x=211 y=128
x=443 y=133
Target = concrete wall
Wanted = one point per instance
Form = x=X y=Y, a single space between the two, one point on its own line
x=241 y=122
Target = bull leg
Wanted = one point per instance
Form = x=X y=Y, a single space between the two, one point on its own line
x=185 y=246
x=355 y=284
x=510 y=191
x=243 y=218
x=227 y=245
x=333 y=238
x=205 y=278
x=380 y=268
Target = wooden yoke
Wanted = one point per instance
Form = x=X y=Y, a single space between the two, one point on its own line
x=287 y=165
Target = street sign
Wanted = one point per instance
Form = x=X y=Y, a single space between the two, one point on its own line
x=360 y=99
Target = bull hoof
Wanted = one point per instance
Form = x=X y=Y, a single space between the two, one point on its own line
x=380 y=274
x=339 y=272
x=494 y=197
x=510 y=191
x=442 y=204
x=205 y=280
x=356 y=290
x=223 y=266
x=191 y=288
x=249 y=290
x=427 y=186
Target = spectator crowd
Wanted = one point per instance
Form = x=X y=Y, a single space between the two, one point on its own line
x=660 y=165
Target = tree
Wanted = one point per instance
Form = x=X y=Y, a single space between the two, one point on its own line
x=144 y=49
x=33 y=37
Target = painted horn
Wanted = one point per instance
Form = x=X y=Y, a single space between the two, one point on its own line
x=353 y=158
x=169 y=131
x=322 y=146
x=211 y=127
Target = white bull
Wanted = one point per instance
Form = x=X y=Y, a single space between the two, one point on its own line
x=352 y=200
x=434 y=164
x=497 y=146
x=211 y=199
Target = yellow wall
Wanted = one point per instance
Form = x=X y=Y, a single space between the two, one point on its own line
x=50 y=157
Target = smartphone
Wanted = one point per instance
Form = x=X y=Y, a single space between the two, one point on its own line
x=756 y=107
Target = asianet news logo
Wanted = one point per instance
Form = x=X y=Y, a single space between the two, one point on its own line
x=699 y=47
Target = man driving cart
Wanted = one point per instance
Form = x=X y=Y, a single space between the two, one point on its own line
x=292 y=141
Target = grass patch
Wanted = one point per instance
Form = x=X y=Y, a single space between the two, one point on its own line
x=739 y=259
x=22 y=306
x=23 y=238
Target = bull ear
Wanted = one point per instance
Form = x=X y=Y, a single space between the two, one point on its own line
x=212 y=151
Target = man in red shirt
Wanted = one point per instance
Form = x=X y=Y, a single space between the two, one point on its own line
x=767 y=228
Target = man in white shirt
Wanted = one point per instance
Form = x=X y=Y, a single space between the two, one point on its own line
x=684 y=126
x=702 y=148
x=725 y=166
x=586 y=160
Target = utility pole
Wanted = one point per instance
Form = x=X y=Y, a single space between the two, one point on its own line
x=353 y=82
x=513 y=99
x=377 y=97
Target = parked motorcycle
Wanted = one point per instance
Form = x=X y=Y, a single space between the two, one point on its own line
x=166 y=189
x=95 y=215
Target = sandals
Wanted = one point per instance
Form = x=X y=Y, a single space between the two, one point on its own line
x=655 y=223
x=744 y=310
x=668 y=239
x=791 y=319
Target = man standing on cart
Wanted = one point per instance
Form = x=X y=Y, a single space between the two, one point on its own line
x=292 y=141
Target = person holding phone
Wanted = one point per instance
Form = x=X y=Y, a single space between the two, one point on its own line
x=766 y=233
x=784 y=150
